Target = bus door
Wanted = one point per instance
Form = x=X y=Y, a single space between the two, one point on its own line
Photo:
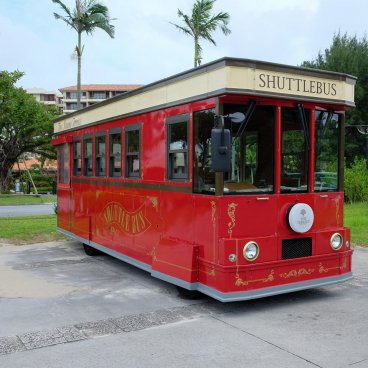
x=64 y=195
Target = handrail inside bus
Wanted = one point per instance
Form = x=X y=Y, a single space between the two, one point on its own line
x=303 y=120
x=244 y=123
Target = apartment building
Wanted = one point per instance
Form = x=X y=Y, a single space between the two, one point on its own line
x=47 y=97
x=92 y=94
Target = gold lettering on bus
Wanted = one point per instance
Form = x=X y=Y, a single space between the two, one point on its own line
x=131 y=222
x=297 y=85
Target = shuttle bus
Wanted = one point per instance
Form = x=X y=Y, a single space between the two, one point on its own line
x=226 y=179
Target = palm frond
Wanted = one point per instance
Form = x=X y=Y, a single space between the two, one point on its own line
x=63 y=6
x=183 y=29
x=99 y=21
x=201 y=24
x=66 y=20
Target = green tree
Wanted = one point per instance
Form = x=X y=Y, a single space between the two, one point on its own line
x=25 y=126
x=85 y=17
x=349 y=55
x=201 y=24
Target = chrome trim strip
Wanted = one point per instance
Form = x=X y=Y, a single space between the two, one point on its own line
x=215 y=294
x=276 y=290
x=108 y=251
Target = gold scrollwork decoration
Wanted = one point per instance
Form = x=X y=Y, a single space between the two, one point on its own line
x=343 y=267
x=231 y=213
x=240 y=282
x=297 y=273
x=213 y=211
x=154 y=201
x=322 y=269
x=337 y=204
x=153 y=254
x=212 y=272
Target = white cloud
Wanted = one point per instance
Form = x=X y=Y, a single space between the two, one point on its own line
x=147 y=48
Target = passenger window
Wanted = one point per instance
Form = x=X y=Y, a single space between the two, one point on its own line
x=77 y=158
x=177 y=147
x=132 y=151
x=88 y=165
x=115 y=153
x=101 y=154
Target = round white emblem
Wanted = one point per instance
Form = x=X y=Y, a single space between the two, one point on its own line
x=300 y=217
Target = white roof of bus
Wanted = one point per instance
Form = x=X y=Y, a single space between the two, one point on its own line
x=224 y=76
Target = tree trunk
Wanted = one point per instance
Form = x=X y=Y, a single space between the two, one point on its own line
x=79 y=55
x=195 y=52
x=5 y=178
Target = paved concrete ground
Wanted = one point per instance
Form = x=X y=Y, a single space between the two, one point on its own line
x=60 y=308
x=27 y=210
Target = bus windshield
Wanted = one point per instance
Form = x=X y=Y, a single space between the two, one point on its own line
x=253 y=151
x=294 y=151
x=252 y=167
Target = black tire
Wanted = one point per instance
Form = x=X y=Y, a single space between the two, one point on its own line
x=90 y=251
x=188 y=294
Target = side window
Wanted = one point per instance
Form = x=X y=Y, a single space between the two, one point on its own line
x=101 y=154
x=294 y=152
x=326 y=151
x=88 y=168
x=77 y=158
x=177 y=147
x=63 y=164
x=115 y=151
x=132 y=151
x=203 y=175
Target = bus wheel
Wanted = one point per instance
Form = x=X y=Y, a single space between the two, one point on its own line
x=90 y=251
x=188 y=294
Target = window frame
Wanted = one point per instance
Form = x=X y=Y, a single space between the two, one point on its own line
x=170 y=121
x=197 y=185
x=63 y=155
x=306 y=153
x=112 y=156
x=77 y=140
x=340 y=153
x=85 y=167
x=98 y=156
x=127 y=130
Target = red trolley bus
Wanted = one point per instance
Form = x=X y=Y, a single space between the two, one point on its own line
x=226 y=179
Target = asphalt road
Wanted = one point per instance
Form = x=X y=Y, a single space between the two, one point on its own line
x=27 y=210
x=60 y=308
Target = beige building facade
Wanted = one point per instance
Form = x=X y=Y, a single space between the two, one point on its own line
x=92 y=94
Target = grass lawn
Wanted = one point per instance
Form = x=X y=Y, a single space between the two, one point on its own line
x=356 y=217
x=30 y=229
x=8 y=200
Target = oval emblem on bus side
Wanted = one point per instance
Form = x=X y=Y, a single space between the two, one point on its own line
x=300 y=217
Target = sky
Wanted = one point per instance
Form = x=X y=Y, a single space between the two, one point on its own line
x=147 y=48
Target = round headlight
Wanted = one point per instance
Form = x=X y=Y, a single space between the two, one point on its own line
x=336 y=241
x=251 y=251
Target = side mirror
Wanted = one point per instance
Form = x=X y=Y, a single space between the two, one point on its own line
x=221 y=150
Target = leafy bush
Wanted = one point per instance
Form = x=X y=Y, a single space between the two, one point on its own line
x=42 y=190
x=356 y=182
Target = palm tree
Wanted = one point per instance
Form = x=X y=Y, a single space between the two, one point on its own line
x=202 y=24
x=86 y=17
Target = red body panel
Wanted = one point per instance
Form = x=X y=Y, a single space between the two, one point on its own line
x=189 y=237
